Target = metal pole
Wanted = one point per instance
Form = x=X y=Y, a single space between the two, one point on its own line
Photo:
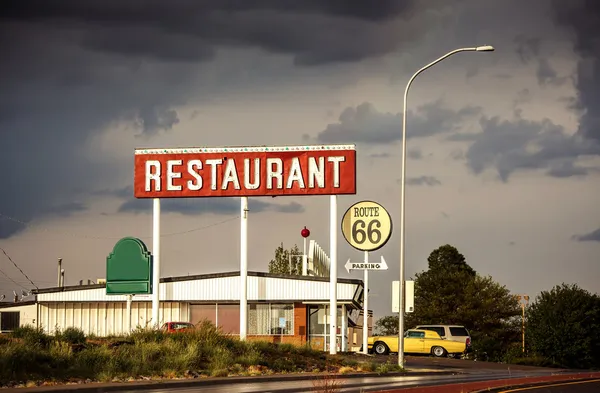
x=156 y=262
x=304 y=260
x=129 y=300
x=333 y=274
x=366 y=306
x=59 y=272
x=243 y=268
x=403 y=196
x=523 y=323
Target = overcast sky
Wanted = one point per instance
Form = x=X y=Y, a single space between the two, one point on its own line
x=503 y=147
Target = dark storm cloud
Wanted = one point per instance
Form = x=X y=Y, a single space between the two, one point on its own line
x=313 y=31
x=582 y=19
x=200 y=206
x=593 y=236
x=365 y=124
x=72 y=68
x=507 y=146
x=529 y=50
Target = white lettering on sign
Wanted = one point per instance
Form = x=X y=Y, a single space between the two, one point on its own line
x=316 y=172
x=295 y=174
x=171 y=174
x=193 y=165
x=230 y=176
x=247 y=172
x=152 y=176
x=274 y=174
x=198 y=172
x=336 y=169
x=213 y=172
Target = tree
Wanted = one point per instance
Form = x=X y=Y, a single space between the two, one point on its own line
x=451 y=292
x=282 y=264
x=563 y=326
x=386 y=326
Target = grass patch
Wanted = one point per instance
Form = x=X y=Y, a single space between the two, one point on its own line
x=30 y=356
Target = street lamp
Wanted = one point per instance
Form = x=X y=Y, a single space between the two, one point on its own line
x=484 y=48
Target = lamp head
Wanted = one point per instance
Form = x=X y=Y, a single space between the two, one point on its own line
x=485 y=48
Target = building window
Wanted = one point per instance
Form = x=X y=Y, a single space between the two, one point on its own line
x=9 y=321
x=271 y=319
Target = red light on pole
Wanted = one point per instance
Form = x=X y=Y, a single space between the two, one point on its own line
x=305 y=232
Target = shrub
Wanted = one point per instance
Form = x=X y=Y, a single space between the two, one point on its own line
x=31 y=336
x=72 y=336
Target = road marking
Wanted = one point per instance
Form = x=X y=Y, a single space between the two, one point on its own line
x=549 y=386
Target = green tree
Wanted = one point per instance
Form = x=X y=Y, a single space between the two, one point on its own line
x=287 y=262
x=451 y=292
x=563 y=326
x=386 y=326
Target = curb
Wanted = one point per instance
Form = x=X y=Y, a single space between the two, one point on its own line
x=98 y=387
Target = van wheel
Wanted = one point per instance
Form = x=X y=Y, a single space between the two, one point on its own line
x=380 y=348
x=438 y=352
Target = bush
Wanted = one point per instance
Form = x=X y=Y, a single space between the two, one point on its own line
x=72 y=336
x=34 y=356
x=31 y=336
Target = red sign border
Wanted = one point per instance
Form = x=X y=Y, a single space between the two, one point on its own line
x=249 y=149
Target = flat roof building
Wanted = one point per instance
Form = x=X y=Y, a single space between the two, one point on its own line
x=281 y=308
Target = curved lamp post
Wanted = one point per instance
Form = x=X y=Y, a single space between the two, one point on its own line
x=485 y=48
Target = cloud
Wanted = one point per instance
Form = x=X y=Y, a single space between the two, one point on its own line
x=423 y=181
x=593 y=236
x=415 y=154
x=199 y=206
x=507 y=146
x=529 y=50
x=71 y=69
x=312 y=31
x=582 y=18
x=367 y=125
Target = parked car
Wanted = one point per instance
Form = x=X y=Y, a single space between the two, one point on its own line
x=173 y=327
x=451 y=332
x=416 y=341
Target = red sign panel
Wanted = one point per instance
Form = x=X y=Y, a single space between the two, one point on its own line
x=245 y=171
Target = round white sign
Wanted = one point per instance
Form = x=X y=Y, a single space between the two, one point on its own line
x=367 y=226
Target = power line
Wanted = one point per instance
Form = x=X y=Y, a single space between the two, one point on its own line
x=117 y=238
x=22 y=272
x=10 y=278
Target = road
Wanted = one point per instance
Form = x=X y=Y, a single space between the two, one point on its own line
x=591 y=386
x=430 y=375
x=466 y=371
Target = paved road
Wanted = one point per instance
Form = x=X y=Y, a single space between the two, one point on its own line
x=347 y=385
x=591 y=386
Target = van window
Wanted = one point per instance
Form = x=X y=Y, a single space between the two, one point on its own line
x=438 y=329
x=459 y=331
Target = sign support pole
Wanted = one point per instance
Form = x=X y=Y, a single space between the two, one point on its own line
x=156 y=261
x=243 y=268
x=129 y=301
x=333 y=274
x=366 y=307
